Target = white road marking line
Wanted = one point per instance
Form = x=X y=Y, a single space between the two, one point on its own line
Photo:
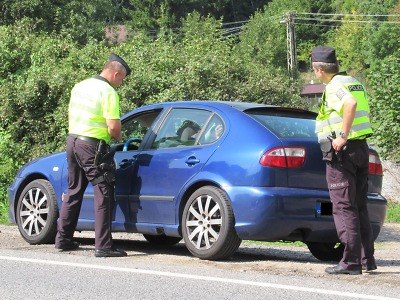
x=188 y=276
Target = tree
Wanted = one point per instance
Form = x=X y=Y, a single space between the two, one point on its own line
x=37 y=80
x=264 y=38
x=171 y=13
x=82 y=20
x=365 y=36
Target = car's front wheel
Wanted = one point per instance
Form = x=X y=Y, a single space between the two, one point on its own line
x=37 y=212
x=208 y=224
x=326 y=251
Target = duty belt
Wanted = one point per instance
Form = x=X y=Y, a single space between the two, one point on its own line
x=91 y=140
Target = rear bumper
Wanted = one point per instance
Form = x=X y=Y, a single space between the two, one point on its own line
x=271 y=214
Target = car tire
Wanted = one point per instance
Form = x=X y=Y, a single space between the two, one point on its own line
x=162 y=240
x=326 y=251
x=208 y=225
x=37 y=212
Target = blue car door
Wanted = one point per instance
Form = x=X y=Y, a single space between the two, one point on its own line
x=135 y=131
x=123 y=190
x=175 y=156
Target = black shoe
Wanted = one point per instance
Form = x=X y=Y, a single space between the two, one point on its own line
x=340 y=270
x=68 y=247
x=110 y=253
x=368 y=268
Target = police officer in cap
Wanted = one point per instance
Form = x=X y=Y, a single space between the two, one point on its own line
x=94 y=118
x=344 y=122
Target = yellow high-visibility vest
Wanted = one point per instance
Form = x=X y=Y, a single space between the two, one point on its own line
x=330 y=117
x=92 y=102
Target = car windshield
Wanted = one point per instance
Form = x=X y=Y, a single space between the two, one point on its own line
x=286 y=124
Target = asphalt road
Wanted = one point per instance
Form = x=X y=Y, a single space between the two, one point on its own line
x=254 y=272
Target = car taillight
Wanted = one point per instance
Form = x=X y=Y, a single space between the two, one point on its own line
x=284 y=157
x=375 y=166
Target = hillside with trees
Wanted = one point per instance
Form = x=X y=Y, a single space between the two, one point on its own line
x=181 y=50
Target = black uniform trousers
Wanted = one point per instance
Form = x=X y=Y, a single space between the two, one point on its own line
x=79 y=176
x=348 y=187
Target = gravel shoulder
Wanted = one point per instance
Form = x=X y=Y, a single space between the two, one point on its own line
x=272 y=258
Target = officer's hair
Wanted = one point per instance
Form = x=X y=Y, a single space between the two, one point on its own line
x=114 y=66
x=330 y=68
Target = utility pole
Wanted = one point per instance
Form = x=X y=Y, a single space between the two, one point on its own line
x=291 y=44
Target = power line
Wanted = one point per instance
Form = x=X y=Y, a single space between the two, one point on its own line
x=345 y=15
x=300 y=21
x=345 y=18
x=347 y=21
x=331 y=26
x=231 y=23
x=322 y=25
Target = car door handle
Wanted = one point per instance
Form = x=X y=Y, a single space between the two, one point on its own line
x=192 y=160
x=125 y=163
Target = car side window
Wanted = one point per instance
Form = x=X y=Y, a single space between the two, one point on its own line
x=213 y=131
x=182 y=127
x=136 y=127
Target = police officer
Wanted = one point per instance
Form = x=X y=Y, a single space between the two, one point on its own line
x=344 y=119
x=94 y=118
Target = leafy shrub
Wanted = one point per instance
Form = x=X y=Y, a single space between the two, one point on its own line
x=385 y=106
x=7 y=171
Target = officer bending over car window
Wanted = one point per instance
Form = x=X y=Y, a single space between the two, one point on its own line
x=94 y=118
x=342 y=125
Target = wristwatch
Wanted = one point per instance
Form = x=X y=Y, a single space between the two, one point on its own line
x=343 y=135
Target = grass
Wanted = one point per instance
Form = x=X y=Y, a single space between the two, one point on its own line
x=277 y=243
x=393 y=213
x=4 y=213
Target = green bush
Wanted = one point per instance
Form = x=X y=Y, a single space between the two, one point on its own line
x=385 y=106
x=7 y=171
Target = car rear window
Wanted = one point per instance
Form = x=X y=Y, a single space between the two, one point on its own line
x=286 y=123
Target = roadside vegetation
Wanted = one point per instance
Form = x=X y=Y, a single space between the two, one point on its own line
x=182 y=50
x=393 y=213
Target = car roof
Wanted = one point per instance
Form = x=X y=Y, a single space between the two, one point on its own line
x=240 y=106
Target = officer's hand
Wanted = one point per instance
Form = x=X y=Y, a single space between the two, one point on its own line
x=338 y=143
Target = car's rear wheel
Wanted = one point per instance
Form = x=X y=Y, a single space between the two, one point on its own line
x=326 y=251
x=162 y=240
x=37 y=212
x=208 y=224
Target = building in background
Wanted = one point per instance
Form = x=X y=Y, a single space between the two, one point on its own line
x=312 y=92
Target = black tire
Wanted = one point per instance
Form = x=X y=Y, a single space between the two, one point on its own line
x=326 y=251
x=208 y=225
x=37 y=212
x=162 y=240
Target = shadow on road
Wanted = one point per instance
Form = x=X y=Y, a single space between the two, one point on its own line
x=243 y=254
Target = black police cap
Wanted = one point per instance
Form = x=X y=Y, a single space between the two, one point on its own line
x=323 y=54
x=115 y=57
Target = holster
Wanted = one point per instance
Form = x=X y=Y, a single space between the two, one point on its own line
x=104 y=162
x=101 y=150
x=327 y=150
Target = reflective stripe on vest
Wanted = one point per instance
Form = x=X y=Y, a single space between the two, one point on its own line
x=329 y=120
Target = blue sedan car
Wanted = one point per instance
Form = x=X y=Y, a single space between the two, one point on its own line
x=213 y=173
